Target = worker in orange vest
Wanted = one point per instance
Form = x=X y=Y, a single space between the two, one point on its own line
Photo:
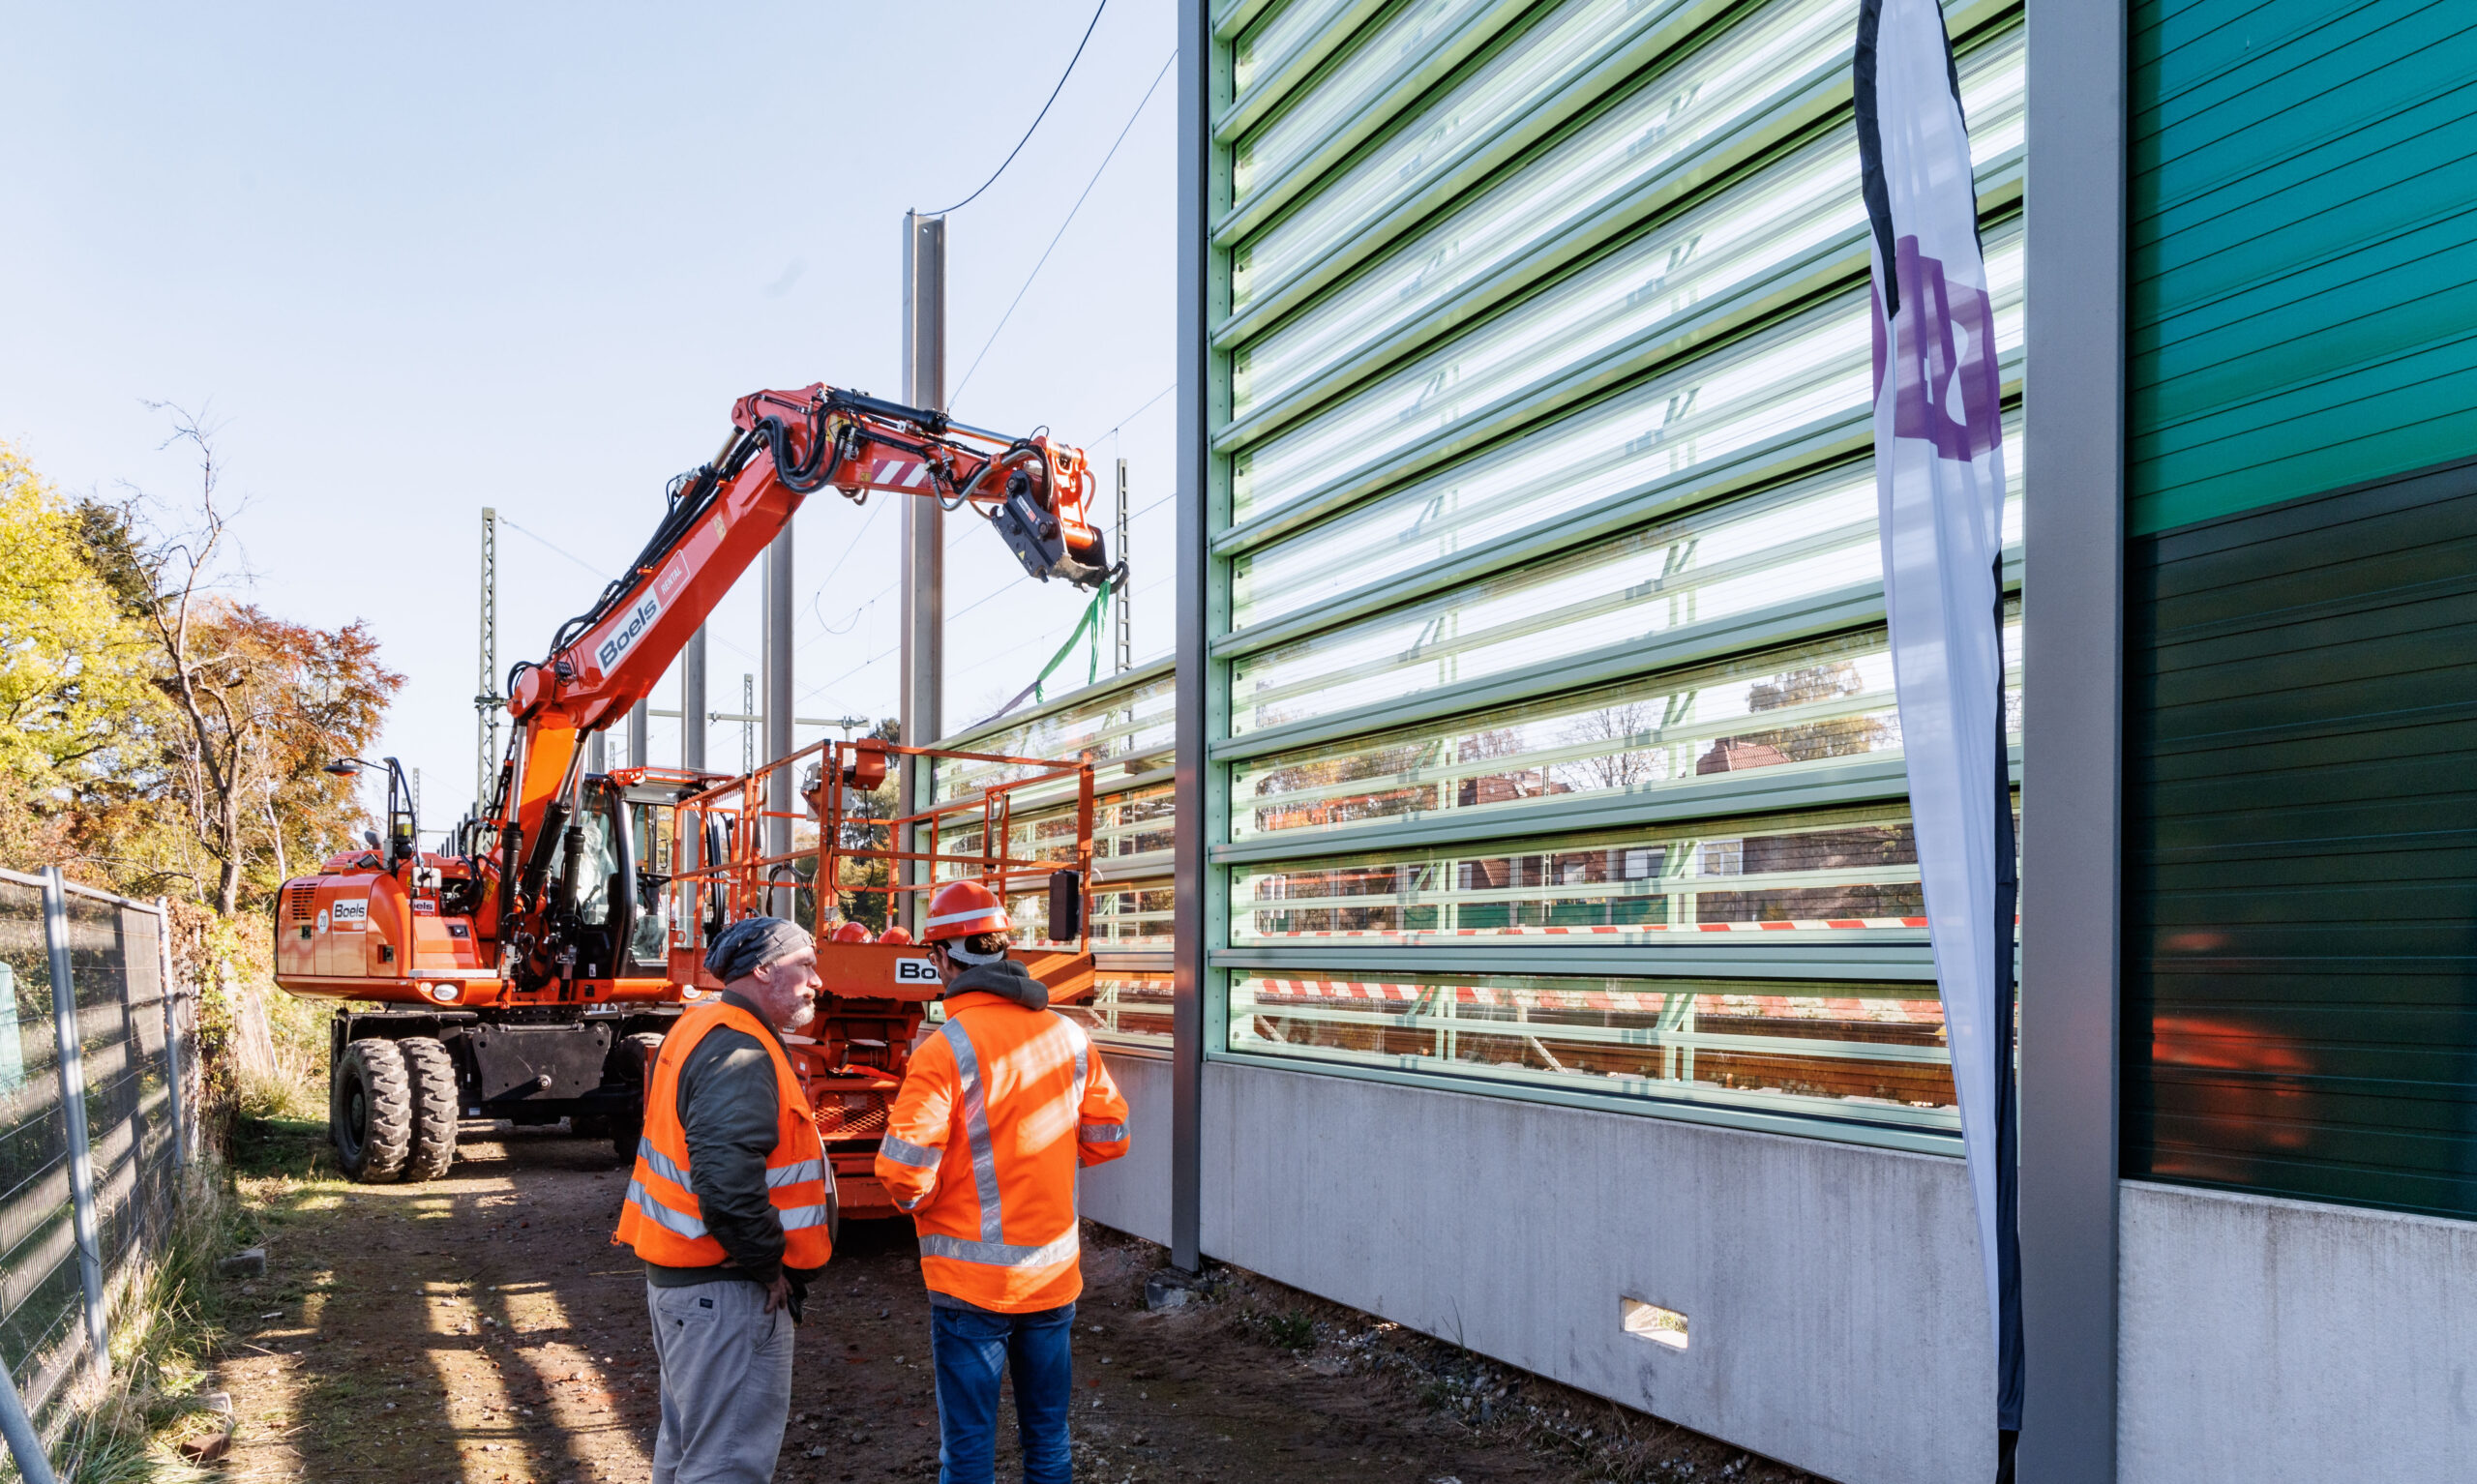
x=732 y=1209
x=978 y=1151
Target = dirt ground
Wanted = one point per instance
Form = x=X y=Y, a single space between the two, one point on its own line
x=481 y=1329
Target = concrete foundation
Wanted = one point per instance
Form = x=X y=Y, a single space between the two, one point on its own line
x=1835 y=1312
x=2279 y=1342
x=1132 y=1194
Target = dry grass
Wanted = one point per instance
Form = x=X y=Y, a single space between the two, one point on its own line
x=127 y=1429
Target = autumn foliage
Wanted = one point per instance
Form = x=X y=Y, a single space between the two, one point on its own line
x=158 y=735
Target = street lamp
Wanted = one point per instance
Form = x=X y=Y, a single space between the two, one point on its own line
x=407 y=841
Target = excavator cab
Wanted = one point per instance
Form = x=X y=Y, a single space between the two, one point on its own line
x=621 y=925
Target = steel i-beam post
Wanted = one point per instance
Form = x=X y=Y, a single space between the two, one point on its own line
x=693 y=717
x=779 y=675
x=924 y=538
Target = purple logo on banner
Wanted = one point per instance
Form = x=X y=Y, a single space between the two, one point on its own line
x=1947 y=390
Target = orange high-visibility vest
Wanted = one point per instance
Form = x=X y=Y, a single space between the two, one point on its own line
x=999 y=1109
x=662 y=1219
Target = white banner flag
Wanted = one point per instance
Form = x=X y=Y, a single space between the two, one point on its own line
x=1939 y=486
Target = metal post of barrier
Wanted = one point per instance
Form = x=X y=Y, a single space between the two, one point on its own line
x=25 y=1445
x=173 y=1072
x=72 y=1108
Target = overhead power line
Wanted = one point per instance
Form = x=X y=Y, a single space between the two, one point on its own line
x=958 y=393
x=1037 y=117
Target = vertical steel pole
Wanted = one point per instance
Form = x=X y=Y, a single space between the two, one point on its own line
x=1191 y=872
x=924 y=538
x=487 y=700
x=779 y=677
x=174 y=1072
x=692 y=715
x=640 y=727
x=597 y=752
x=72 y=1107
x=25 y=1445
x=2075 y=600
x=1126 y=624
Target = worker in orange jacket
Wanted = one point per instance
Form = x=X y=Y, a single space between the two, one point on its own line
x=731 y=1207
x=1000 y=1106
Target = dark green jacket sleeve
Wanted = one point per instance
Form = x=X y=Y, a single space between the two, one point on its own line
x=728 y=1109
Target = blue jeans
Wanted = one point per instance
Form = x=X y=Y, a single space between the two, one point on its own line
x=972 y=1347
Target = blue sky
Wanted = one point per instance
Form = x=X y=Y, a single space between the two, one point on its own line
x=419 y=261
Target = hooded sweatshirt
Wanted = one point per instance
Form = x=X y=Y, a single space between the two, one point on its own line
x=1005 y=978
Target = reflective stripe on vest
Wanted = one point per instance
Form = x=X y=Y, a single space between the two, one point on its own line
x=662 y=1218
x=993 y=1249
x=1000 y=1254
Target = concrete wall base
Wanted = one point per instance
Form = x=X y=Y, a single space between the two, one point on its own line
x=2278 y=1341
x=1835 y=1312
x=1132 y=1194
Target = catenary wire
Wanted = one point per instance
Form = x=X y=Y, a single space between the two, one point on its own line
x=1061 y=229
x=1037 y=117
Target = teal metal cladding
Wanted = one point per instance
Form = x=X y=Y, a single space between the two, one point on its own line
x=1550 y=733
x=2301 y=849
x=2301 y=720
x=2303 y=276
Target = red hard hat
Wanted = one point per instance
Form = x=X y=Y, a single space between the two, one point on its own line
x=962 y=908
x=895 y=933
x=852 y=932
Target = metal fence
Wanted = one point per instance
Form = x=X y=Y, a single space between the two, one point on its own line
x=96 y=1081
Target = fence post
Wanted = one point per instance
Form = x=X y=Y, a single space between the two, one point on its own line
x=72 y=1108
x=25 y=1445
x=173 y=1071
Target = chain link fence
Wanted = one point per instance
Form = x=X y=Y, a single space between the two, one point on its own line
x=97 y=1119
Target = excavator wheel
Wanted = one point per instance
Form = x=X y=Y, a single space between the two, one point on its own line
x=627 y=1129
x=372 y=1114
x=433 y=1095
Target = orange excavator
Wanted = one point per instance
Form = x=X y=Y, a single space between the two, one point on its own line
x=527 y=970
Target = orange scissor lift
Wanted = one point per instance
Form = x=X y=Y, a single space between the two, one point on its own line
x=851 y=1058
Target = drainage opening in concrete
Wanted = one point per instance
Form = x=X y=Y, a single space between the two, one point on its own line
x=1651 y=1322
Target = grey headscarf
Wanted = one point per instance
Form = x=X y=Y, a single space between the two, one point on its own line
x=751 y=943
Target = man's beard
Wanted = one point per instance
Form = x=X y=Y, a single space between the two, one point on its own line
x=802 y=1014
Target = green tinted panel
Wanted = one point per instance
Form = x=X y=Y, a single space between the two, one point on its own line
x=2300 y=973
x=2304 y=186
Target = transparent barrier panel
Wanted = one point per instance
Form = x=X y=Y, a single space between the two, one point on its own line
x=1355 y=82
x=1802 y=706
x=1802 y=541
x=1127 y=1008
x=1813 y=369
x=1418 y=152
x=1135 y=725
x=1750 y=228
x=1275 y=37
x=1865 y=1052
x=1794 y=877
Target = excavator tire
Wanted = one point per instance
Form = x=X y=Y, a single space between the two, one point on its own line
x=628 y=1128
x=434 y=1092
x=372 y=1117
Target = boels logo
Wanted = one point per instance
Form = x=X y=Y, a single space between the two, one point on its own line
x=352 y=917
x=640 y=618
x=914 y=971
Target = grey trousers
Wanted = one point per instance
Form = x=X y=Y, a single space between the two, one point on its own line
x=726 y=1382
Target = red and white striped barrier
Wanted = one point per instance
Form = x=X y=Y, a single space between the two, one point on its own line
x=1298 y=992
x=1791 y=925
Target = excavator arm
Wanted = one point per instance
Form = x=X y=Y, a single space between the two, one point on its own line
x=784 y=446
